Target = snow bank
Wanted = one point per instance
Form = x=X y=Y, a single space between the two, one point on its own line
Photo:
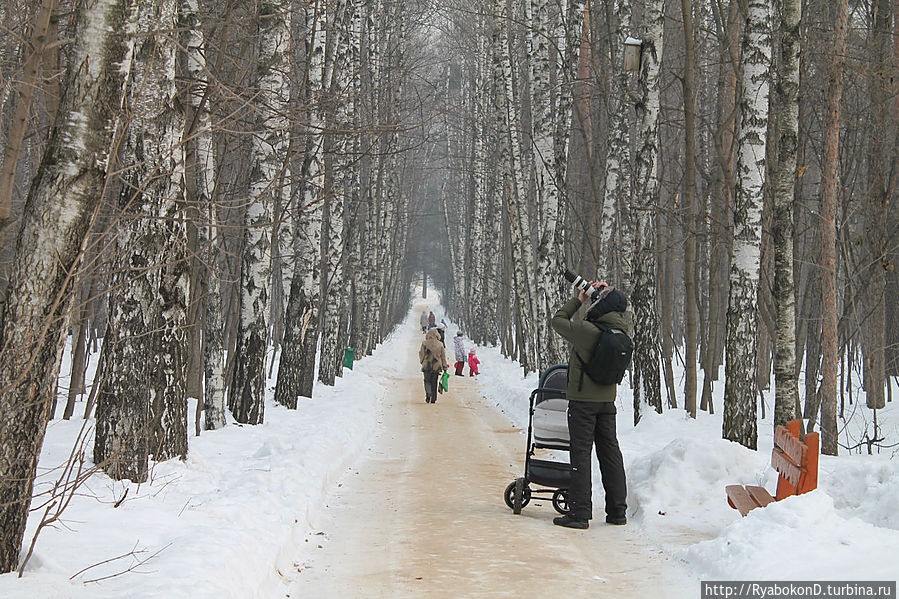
x=677 y=468
x=227 y=521
x=798 y=538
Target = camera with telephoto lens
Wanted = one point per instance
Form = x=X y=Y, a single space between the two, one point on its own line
x=582 y=284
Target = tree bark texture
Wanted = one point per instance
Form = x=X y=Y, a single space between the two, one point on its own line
x=58 y=211
x=740 y=390
x=786 y=390
x=296 y=369
x=875 y=261
x=338 y=120
x=690 y=232
x=647 y=380
x=148 y=302
x=268 y=158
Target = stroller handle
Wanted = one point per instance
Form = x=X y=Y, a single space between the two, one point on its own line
x=553 y=390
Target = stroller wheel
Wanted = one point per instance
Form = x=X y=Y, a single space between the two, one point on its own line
x=520 y=495
x=509 y=493
x=517 y=492
x=560 y=501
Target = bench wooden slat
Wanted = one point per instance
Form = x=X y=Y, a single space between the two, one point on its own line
x=739 y=499
x=790 y=444
x=785 y=467
x=760 y=495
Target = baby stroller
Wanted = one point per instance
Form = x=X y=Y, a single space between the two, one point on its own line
x=547 y=429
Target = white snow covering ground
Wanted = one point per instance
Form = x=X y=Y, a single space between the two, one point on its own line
x=237 y=517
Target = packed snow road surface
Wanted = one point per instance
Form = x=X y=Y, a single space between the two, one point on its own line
x=422 y=515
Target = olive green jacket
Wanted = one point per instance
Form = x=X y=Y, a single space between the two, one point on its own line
x=583 y=336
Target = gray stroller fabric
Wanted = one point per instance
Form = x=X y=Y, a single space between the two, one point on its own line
x=551 y=424
x=551 y=411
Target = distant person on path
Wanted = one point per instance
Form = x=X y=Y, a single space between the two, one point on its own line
x=441 y=328
x=423 y=321
x=591 y=409
x=432 y=356
x=432 y=320
x=459 y=347
x=473 y=363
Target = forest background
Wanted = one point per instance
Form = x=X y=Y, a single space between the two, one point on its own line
x=190 y=188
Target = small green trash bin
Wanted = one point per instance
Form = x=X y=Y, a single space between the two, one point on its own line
x=348 y=355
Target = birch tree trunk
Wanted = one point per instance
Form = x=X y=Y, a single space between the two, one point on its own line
x=831 y=174
x=516 y=194
x=647 y=382
x=878 y=202
x=540 y=48
x=786 y=394
x=58 y=211
x=740 y=391
x=337 y=122
x=550 y=36
x=296 y=370
x=499 y=179
x=350 y=175
x=690 y=229
x=151 y=284
x=268 y=157
x=618 y=163
x=200 y=170
x=722 y=190
x=481 y=143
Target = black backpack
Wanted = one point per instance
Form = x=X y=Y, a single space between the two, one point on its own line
x=611 y=356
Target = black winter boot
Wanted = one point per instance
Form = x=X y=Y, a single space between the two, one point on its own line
x=569 y=522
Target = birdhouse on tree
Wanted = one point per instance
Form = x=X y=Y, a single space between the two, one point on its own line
x=632 y=47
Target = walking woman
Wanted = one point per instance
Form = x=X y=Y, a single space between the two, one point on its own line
x=432 y=356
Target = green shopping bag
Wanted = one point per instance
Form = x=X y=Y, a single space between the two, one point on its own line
x=444 y=381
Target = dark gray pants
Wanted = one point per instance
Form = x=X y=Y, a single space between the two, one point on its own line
x=593 y=423
x=431 y=385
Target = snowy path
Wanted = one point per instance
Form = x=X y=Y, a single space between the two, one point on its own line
x=421 y=514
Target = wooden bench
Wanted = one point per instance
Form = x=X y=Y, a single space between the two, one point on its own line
x=796 y=462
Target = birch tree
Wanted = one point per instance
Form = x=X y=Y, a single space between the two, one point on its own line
x=268 y=157
x=337 y=109
x=690 y=308
x=481 y=133
x=786 y=398
x=618 y=167
x=200 y=178
x=515 y=167
x=296 y=370
x=647 y=383
x=554 y=38
x=58 y=211
x=740 y=390
x=147 y=339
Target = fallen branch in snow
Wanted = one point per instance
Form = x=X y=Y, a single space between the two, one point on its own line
x=131 y=568
x=73 y=475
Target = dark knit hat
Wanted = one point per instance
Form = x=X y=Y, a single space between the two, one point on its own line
x=610 y=300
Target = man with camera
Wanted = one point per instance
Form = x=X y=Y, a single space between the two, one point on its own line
x=591 y=406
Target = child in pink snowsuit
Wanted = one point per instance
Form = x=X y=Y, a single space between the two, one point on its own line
x=472 y=363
